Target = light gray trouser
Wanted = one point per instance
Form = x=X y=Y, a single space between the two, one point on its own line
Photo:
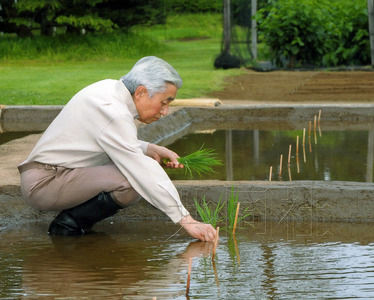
x=46 y=187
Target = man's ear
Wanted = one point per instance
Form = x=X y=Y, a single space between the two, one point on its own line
x=140 y=92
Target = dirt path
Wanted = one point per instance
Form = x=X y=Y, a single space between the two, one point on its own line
x=294 y=86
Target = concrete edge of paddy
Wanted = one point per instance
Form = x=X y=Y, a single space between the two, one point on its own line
x=322 y=201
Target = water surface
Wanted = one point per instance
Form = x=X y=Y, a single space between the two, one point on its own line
x=145 y=260
x=342 y=155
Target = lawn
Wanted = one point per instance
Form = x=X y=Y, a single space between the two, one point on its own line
x=51 y=71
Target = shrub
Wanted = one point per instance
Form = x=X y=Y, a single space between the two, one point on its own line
x=318 y=32
x=348 y=41
x=294 y=30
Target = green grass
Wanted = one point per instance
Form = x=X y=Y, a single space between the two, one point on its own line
x=50 y=71
x=79 y=48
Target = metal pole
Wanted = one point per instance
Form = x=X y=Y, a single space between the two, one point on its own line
x=371 y=28
x=254 y=29
x=226 y=26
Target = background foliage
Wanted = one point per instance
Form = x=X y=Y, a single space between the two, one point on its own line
x=48 y=17
x=50 y=70
x=317 y=32
x=296 y=32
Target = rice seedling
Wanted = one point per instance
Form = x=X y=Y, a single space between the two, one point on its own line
x=207 y=214
x=201 y=162
x=213 y=215
x=232 y=204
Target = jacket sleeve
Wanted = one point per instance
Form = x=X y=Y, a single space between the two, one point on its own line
x=119 y=141
x=143 y=146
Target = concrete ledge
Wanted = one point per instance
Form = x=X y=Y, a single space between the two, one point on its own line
x=27 y=118
x=37 y=118
x=276 y=201
x=289 y=201
x=282 y=202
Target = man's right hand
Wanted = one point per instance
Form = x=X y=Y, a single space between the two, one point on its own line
x=198 y=230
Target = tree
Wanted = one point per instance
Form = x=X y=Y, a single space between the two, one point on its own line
x=371 y=28
x=11 y=21
x=131 y=12
x=25 y=16
x=83 y=14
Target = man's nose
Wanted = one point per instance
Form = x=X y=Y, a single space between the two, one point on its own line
x=164 y=110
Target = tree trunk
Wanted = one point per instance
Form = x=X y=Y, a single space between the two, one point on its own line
x=371 y=28
x=46 y=29
x=23 y=31
x=73 y=30
x=254 y=30
x=46 y=26
x=226 y=26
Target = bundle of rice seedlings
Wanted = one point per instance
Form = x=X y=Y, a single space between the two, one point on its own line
x=201 y=162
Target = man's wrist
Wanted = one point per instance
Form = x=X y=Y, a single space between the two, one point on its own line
x=186 y=220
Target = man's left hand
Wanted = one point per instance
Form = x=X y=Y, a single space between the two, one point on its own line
x=159 y=153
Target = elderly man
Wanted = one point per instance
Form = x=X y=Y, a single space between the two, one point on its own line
x=89 y=162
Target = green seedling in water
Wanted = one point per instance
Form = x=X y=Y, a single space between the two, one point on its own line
x=201 y=162
x=213 y=215
x=208 y=215
x=231 y=209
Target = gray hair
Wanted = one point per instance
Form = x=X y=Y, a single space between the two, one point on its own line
x=153 y=73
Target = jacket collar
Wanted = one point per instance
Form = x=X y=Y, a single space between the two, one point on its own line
x=126 y=97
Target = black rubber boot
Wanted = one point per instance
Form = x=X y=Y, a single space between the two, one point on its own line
x=79 y=220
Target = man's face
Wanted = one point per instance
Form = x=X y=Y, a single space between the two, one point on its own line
x=151 y=109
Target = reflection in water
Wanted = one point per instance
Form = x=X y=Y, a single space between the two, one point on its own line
x=97 y=265
x=233 y=250
x=370 y=156
x=248 y=154
x=228 y=158
x=269 y=272
x=276 y=261
x=256 y=145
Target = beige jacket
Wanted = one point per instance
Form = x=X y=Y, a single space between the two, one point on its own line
x=97 y=127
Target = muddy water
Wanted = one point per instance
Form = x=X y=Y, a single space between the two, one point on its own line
x=145 y=260
x=248 y=154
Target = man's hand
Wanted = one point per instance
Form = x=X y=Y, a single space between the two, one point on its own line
x=198 y=230
x=159 y=152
